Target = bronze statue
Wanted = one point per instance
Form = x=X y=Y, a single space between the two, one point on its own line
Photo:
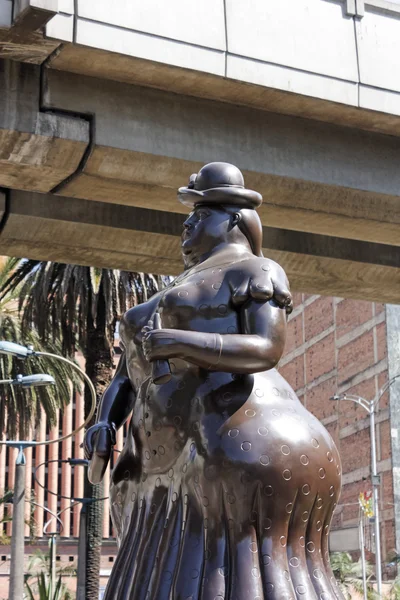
x=226 y=486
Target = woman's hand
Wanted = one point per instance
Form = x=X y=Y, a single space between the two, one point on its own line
x=160 y=344
x=99 y=440
x=277 y=284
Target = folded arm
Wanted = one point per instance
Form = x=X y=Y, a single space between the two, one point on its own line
x=258 y=348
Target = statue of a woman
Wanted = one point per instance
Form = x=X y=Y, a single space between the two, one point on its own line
x=226 y=485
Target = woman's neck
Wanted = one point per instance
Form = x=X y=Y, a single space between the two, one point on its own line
x=224 y=252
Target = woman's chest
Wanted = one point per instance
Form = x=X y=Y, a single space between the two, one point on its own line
x=198 y=300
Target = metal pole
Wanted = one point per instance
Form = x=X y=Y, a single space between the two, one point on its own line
x=375 y=485
x=362 y=548
x=18 y=526
x=81 y=575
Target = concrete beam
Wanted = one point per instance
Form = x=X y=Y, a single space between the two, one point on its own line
x=49 y=227
x=21 y=35
x=38 y=150
x=102 y=64
x=31 y=15
x=314 y=177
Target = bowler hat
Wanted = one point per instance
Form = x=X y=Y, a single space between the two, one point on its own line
x=218 y=183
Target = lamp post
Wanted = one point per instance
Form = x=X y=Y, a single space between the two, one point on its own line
x=362 y=548
x=82 y=542
x=17 y=540
x=370 y=406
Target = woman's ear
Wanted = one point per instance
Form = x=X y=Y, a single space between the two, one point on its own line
x=235 y=220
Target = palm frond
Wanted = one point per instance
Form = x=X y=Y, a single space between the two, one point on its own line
x=348 y=574
x=20 y=409
x=60 y=307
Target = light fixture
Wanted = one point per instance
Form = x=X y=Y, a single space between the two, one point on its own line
x=37 y=380
x=28 y=381
x=14 y=349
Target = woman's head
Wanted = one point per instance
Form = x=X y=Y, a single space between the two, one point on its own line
x=223 y=212
x=208 y=227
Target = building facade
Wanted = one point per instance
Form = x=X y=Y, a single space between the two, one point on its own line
x=338 y=345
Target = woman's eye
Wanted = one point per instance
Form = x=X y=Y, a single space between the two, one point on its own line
x=202 y=215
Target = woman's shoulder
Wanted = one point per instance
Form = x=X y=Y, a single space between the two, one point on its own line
x=254 y=278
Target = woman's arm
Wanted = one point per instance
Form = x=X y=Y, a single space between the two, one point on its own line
x=115 y=406
x=258 y=348
x=117 y=401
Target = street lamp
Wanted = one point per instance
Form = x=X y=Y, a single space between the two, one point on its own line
x=28 y=381
x=17 y=540
x=82 y=542
x=370 y=406
x=13 y=349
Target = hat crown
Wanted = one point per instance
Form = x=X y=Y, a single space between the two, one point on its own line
x=218 y=174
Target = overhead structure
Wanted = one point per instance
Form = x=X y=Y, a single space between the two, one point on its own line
x=107 y=108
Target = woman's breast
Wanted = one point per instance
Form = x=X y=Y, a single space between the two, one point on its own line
x=200 y=305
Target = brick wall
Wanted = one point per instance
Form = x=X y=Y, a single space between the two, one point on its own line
x=339 y=345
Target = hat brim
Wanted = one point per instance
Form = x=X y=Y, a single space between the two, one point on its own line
x=235 y=196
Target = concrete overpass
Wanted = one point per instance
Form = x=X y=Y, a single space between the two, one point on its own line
x=107 y=107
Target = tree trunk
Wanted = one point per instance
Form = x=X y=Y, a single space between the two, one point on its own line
x=99 y=367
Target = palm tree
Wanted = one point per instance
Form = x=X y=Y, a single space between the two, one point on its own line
x=80 y=306
x=20 y=410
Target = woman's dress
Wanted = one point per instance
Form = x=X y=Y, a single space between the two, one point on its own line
x=226 y=486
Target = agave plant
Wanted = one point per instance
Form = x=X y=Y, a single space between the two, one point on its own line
x=42 y=588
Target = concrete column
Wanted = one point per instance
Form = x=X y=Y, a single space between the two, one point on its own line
x=17 y=539
x=53 y=476
x=120 y=440
x=79 y=472
x=12 y=457
x=3 y=452
x=28 y=488
x=393 y=346
x=117 y=449
x=66 y=486
x=40 y=457
x=106 y=511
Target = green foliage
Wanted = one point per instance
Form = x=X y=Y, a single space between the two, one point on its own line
x=348 y=574
x=39 y=569
x=21 y=409
x=42 y=590
x=394 y=592
x=66 y=301
x=7 y=498
x=78 y=307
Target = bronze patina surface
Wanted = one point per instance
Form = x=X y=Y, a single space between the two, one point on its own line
x=226 y=486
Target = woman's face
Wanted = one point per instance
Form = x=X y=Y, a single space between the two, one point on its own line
x=204 y=229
